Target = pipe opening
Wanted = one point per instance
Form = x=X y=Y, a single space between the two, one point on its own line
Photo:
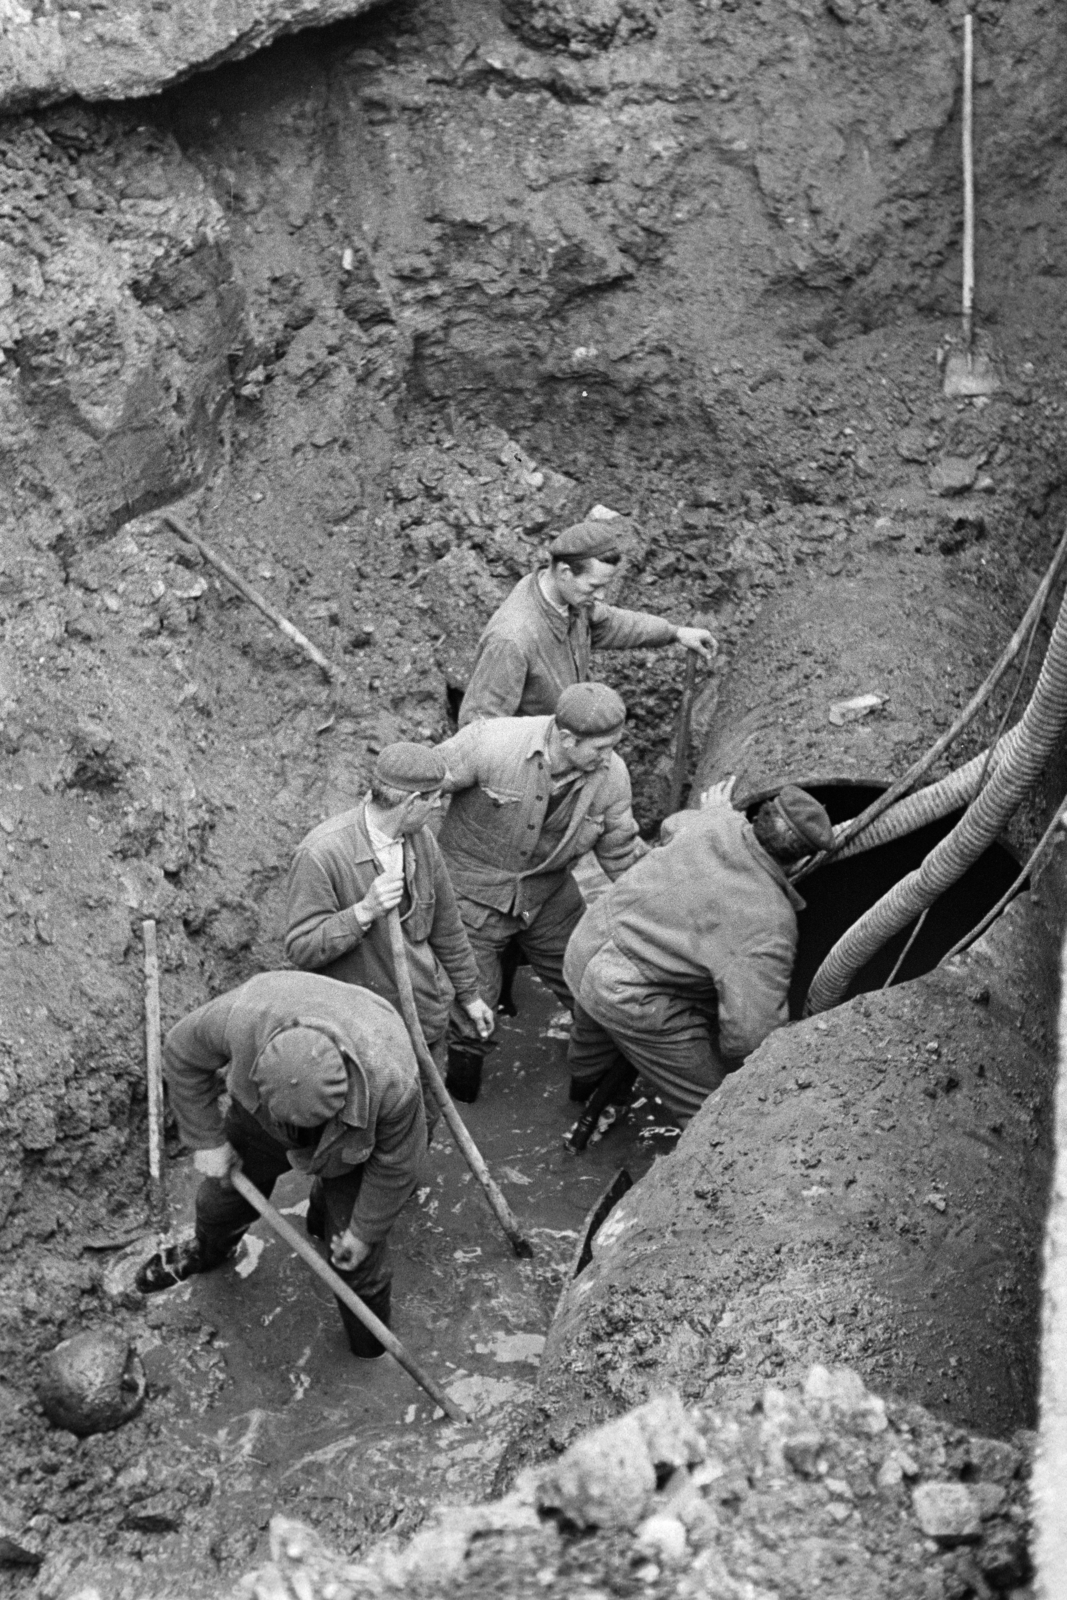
x=838 y=894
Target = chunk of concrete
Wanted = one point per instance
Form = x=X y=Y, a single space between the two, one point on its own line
x=947 y=1512
x=92 y=1383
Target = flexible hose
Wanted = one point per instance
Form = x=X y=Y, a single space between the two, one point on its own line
x=1013 y=774
x=1036 y=859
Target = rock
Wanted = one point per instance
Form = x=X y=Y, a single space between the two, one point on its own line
x=134 y=47
x=92 y=1383
x=911 y=444
x=17 y=1548
x=954 y=474
x=607 y=1479
x=163 y=1513
x=664 y=1538
x=843 y=1393
x=946 y=1512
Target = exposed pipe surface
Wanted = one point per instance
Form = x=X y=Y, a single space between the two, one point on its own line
x=1012 y=776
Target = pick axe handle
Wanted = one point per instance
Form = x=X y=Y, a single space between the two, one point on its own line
x=681 y=747
x=154 y=1073
x=471 y=1154
x=319 y=1267
x=212 y=557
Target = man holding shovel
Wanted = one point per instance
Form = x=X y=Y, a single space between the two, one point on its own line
x=351 y=871
x=321 y=1078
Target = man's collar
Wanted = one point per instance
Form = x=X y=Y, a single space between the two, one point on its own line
x=562 y=613
x=774 y=868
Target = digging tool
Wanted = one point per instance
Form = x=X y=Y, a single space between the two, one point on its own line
x=157 y=1190
x=681 y=743
x=471 y=1154
x=308 y=1253
x=968 y=374
x=324 y=664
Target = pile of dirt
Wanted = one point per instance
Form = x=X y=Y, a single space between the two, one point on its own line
x=826 y=1487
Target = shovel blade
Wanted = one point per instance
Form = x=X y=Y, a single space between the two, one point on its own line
x=967 y=375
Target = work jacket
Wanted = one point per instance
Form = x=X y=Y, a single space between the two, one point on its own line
x=381 y=1127
x=493 y=836
x=332 y=870
x=709 y=915
x=531 y=651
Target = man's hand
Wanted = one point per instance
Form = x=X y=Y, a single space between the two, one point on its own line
x=348 y=1251
x=217 y=1163
x=384 y=894
x=702 y=640
x=480 y=1015
x=719 y=794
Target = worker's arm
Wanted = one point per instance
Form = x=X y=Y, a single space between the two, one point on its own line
x=391 y=1172
x=195 y=1057
x=611 y=628
x=497 y=681
x=620 y=845
x=318 y=930
x=461 y=757
x=754 y=994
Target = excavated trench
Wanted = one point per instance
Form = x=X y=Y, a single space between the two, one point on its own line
x=385 y=304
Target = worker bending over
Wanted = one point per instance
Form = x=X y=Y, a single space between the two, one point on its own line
x=683 y=967
x=350 y=872
x=529 y=796
x=540 y=640
x=321 y=1078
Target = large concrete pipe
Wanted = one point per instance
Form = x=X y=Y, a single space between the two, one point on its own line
x=921 y=640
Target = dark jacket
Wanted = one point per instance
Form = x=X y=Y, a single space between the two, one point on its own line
x=710 y=915
x=381 y=1128
x=333 y=868
x=530 y=651
x=493 y=836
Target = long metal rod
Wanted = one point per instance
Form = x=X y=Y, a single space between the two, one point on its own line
x=968 y=181
x=681 y=744
x=471 y=1154
x=154 y=1074
x=375 y=1325
x=324 y=664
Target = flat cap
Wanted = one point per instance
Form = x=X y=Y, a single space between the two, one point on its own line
x=589 y=709
x=604 y=539
x=301 y=1077
x=807 y=818
x=414 y=767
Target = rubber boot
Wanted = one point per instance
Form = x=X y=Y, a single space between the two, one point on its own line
x=315 y=1218
x=464 y=1076
x=177 y=1262
x=361 y=1341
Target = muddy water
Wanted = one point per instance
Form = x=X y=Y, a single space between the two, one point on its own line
x=276 y=1409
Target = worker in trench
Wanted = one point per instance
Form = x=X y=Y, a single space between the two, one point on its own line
x=322 y=1078
x=530 y=795
x=540 y=640
x=351 y=871
x=683 y=967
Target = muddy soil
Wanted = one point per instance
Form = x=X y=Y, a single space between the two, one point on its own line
x=376 y=311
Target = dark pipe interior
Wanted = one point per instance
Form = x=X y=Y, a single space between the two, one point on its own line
x=838 y=894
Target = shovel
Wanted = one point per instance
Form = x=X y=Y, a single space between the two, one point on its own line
x=968 y=374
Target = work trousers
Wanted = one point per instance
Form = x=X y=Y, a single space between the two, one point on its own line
x=223 y=1217
x=542 y=941
x=669 y=1039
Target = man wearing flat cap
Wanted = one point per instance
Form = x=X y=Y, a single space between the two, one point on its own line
x=541 y=639
x=529 y=796
x=683 y=967
x=350 y=871
x=321 y=1078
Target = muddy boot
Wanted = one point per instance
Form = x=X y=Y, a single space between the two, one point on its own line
x=464 y=1076
x=315 y=1219
x=361 y=1341
x=177 y=1262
